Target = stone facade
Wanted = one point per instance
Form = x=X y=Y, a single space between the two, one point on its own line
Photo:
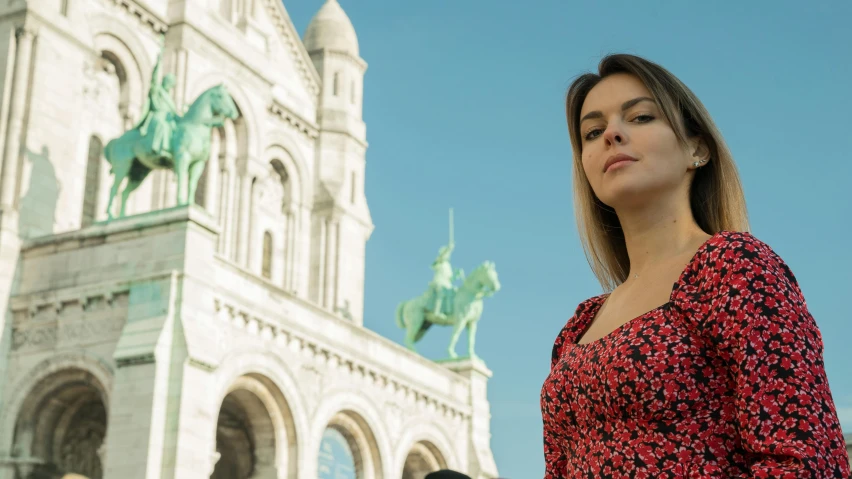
x=224 y=339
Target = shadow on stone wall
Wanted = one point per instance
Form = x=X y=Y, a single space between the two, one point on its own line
x=37 y=209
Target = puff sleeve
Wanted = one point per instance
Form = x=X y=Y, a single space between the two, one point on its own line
x=758 y=323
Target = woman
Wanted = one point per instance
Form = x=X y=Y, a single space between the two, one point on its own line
x=703 y=360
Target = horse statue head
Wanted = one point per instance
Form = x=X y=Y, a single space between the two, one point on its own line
x=483 y=280
x=215 y=102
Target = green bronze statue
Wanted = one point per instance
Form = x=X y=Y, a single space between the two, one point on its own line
x=159 y=114
x=447 y=305
x=443 y=280
x=165 y=139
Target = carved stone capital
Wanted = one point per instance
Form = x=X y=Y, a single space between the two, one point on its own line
x=25 y=32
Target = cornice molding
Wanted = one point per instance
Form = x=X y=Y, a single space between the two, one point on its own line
x=298 y=123
x=143 y=15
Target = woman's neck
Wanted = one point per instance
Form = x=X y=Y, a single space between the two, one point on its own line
x=656 y=234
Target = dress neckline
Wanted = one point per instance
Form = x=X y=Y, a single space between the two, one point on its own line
x=594 y=304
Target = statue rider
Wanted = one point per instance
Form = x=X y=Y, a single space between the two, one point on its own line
x=443 y=279
x=160 y=113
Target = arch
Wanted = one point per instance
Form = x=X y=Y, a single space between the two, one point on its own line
x=251 y=431
x=99 y=370
x=274 y=183
x=127 y=49
x=281 y=146
x=267 y=378
x=281 y=172
x=61 y=419
x=419 y=434
x=422 y=458
x=125 y=99
x=282 y=163
x=352 y=413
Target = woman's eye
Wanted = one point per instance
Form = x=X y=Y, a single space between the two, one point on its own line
x=591 y=135
x=643 y=118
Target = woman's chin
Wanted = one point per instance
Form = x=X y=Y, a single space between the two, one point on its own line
x=627 y=198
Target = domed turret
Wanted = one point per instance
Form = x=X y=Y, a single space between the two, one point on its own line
x=331 y=29
x=341 y=222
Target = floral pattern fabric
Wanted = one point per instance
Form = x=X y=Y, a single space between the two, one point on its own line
x=725 y=380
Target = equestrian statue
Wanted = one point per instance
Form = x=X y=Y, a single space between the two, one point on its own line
x=445 y=304
x=163 y=138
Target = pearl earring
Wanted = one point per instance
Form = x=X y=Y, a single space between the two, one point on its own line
x=696 y=164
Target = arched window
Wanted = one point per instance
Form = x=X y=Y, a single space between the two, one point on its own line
x=93 y=181
x=283 y=178
x=336 y=459
x=347 y=450
x=115 y=75
x=267 y=255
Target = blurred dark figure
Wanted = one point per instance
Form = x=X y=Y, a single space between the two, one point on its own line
x=446 y=474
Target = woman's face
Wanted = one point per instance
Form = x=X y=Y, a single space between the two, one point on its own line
x=631 y=155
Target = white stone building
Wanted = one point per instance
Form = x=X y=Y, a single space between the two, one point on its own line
x=222 y=340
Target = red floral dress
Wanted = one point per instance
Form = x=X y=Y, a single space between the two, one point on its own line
x=725 y=380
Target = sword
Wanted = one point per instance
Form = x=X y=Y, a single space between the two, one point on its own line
x=451 y=225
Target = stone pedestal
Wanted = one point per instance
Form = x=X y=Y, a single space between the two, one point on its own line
x=481 y=464
x=143 y=270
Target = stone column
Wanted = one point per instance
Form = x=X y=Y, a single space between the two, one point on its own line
x=319 y=271
x=138 y=414
x=332 y=262
x=224 y=204
x=480 y=460
x=303 y=251
x=20 y=86
x=289 y=247
x=10 y=248
x=10 y=243
x=243 y=220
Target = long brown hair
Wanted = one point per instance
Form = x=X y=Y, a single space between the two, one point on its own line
x=716 y=197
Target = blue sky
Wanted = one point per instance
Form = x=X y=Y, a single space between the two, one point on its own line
x=464 y=109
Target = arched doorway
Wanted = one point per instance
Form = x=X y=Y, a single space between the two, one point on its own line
x=422 y=459
x=62 y=427
x=255 y=436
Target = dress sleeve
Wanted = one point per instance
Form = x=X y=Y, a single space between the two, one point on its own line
x=554 y=459
x=761 y=327
x=555 y=462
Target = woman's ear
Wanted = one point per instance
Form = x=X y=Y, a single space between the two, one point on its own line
x=700 y=151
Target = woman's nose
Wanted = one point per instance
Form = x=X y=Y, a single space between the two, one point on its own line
x=614 y=135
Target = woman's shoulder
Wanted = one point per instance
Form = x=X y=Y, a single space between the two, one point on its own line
x=569 y=329
x=737 y=249
x=737 y=256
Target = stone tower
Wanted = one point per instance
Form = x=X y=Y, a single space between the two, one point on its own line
x=341 y=222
